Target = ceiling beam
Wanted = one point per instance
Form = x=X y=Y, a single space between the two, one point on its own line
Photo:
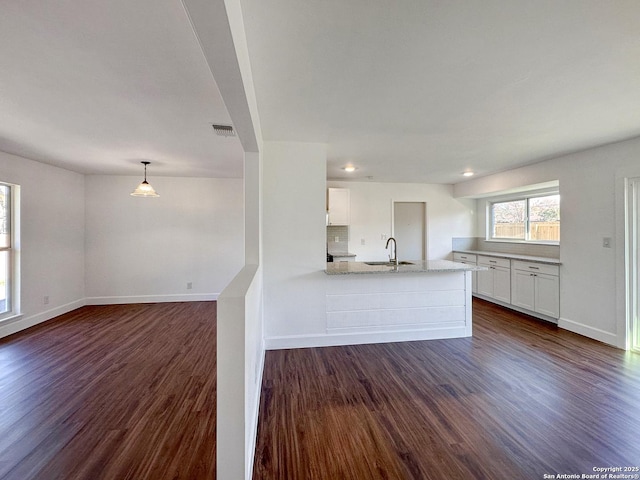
x=219 y=28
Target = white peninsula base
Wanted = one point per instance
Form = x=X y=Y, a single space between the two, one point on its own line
x=377 y=305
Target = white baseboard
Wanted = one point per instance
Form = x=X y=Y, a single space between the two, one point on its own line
x=192 y=297
x=21 y=323
x=587 y=331
x=335 y=340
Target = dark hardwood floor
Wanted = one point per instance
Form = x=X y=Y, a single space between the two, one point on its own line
x=111 y=392
x=519 y=400
x=128 y=392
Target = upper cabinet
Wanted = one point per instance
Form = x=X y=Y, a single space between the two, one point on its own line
x=338 y=206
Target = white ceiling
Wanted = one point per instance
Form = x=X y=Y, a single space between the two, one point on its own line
x=97 y=86
x=421 y=90
x=414 y=91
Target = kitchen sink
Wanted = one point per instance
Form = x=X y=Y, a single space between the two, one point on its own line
x=390 y=264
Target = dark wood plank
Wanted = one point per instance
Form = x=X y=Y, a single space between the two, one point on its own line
x=520 y=399
x=111 y=392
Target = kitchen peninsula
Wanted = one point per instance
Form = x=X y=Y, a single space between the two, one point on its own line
x=383 y=302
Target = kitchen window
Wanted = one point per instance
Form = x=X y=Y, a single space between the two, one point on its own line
x=534 y=219
x=8 y=267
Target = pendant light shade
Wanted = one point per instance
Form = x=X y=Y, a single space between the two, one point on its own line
x=144 y=189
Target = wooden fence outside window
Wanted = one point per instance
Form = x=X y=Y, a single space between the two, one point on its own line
x=541 y=231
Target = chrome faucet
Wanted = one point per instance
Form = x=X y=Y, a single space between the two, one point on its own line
x=395 y=250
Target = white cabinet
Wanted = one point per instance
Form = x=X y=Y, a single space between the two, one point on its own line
x=547 y=295
x=536 y=287
x=485 y=282
x=468 y=259
x=523 y=289
x=338 y=206
x=496 y=281
x=502 y=284
x=528 y=286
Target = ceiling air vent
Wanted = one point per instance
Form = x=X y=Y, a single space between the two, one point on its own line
x=224 y=130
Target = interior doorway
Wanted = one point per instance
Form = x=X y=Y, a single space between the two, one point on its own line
x=410 y=229
x=633 y=261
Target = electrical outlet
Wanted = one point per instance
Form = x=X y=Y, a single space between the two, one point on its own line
x=606 y=242
x=336 y=239
x=45 y=300
x=189 y=285
x=362 y=241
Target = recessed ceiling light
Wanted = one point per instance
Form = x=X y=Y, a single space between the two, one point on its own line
x=468 y=174
x=349 y=168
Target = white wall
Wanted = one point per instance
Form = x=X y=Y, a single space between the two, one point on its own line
x=294 y=239
x=240 y=341
x=239 y=366
x=52 y=239
x=148 y=249
x=295 y=235
x=592 y=207
x=371 y=207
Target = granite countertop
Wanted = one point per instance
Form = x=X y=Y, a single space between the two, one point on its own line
x=513 y=256
x=419 y=266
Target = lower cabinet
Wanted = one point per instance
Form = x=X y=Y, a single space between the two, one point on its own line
x=531 y=286
x=536 y=287
x=496 y=281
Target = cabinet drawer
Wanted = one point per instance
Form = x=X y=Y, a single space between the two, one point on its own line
x=345 y=258
x=494 y=261
x=536 y=267
x=464 y=257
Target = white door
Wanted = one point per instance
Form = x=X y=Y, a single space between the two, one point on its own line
x=485 y=282
x=502 y=284
x=547 y=294
x=523 y=285
x=410 y=229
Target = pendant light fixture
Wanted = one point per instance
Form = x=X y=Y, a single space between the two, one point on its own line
x=144 y=189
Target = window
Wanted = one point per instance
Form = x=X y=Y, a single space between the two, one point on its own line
x=7 y=250
x=533 y=219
